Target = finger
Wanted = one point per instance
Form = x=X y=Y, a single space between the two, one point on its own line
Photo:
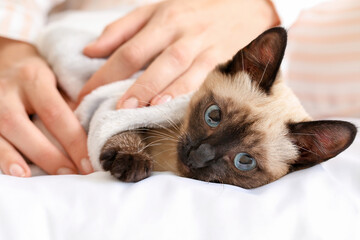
x=61 y=122
x=191 y=79
x=119 y=32
x=17 y=129
x=11 y=162
x=172 y=63
x=130 y=57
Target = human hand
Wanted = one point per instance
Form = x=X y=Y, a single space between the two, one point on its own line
x=28 y=86
x=181 y=39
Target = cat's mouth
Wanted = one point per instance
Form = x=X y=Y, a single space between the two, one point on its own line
x=196 y=155
x=215 y=181
x=194 y=164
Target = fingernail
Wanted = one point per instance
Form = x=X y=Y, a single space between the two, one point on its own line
x=86 y=166
x=16 y=170
x=163 y=99
x=131 y=103
x=64 y=171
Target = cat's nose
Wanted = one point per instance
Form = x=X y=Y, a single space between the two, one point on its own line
x=201 y=156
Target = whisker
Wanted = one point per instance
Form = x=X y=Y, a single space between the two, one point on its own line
x=153 y=132
x=171 y=134
x=308 y=151
x=171 y=122
x=166 y=150
x=158 y=133
x=148 y=145
x=165 y=141
x=242 y=60
x=167 y=166
x=146 y=130
x=168 y=141
x=156 y=94
x=263 y=73
x=253 y=56
x=305 y=134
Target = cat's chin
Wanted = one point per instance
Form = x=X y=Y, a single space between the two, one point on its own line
x=195 y=173
x=183 y=169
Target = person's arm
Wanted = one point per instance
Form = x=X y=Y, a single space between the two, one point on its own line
x=28 y=86
x=181 y=39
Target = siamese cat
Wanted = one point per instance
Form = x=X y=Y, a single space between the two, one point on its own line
x=243 y=127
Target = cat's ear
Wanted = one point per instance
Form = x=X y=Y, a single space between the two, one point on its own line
x=319 y=141
x=260 y=59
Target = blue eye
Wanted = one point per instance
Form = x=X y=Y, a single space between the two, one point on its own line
x=244 y=162
x=213 y=116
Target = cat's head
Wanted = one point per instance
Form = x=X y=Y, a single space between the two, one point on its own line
x=246 y=128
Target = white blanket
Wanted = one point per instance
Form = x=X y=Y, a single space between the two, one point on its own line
x=321 y=202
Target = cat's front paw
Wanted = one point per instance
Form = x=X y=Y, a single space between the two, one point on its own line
x=127 y=167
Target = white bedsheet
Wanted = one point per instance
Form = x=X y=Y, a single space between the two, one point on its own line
x=322 y=202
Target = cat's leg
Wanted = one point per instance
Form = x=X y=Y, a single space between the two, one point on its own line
x=125 y=156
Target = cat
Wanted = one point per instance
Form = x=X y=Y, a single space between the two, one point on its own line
x=243 y=127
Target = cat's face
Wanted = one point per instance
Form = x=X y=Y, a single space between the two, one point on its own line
x=246 y=128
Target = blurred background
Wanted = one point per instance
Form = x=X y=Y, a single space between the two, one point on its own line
x=323 y=59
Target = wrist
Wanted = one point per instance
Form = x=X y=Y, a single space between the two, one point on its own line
x=13 y=50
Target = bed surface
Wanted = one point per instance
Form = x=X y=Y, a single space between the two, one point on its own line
x=322 y=202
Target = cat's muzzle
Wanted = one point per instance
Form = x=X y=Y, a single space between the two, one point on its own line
x=200 y=157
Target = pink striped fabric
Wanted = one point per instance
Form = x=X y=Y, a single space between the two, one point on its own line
x=323 y=59
x=23 y=19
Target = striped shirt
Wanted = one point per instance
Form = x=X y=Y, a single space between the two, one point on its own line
x=23 y=19
x=323 y=57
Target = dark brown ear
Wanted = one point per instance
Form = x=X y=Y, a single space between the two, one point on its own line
x=260 y=59
x=319 y=141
